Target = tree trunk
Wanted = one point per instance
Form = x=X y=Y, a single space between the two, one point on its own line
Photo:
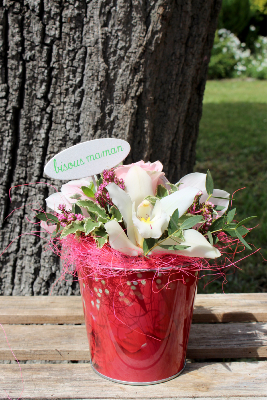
x=83 y=69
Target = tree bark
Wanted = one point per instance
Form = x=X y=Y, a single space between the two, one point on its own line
x=83 y=69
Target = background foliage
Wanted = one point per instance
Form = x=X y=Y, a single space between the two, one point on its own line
x=232 y=143
x=240 y=46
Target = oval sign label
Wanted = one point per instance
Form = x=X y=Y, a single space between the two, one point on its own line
x=87 y=158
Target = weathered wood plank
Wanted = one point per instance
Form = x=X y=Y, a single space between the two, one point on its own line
x=41 y=310
x=78 y=381
x=234 y=307
x=228 y=340
x=68 y=309
x=69 y=342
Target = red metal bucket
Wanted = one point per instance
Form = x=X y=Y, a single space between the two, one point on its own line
x=138 y=324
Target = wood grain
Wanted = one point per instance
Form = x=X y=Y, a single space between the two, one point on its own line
x=41 y=310
x=68 y=309
x=69 y=342
x=78 y=381
x=233 y=307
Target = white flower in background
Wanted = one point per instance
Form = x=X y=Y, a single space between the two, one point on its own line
x=198 y=180
x=69 y=194
x=143 y=220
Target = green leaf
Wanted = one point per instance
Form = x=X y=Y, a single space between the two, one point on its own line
x=174 y=247
x=101 y=219
x=58 y=227
x=221 y=198
x=92 y=187
x=74 y=227
x=47 y=217
x=219 y=208
x=116 y=213
x=243 y=240
x=151 y=199
x=88 y=192
x=93 y=209
x=54 y=234
x=76 y=209
x=179 y=235
x=76 y=196
x=148 y=244
x=192 y=221
x=99 y=182
x=162 y=191
x=90 y=225
x=245 y=220
x=174 y=188
x=173 y=224
x=210 y=238
x=100 y=235
x=230 y=215
x=242 y=230
x=209 y=183
x=218 y=224
x=230 y=231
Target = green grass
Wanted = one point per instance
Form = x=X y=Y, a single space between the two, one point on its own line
x=232 y=143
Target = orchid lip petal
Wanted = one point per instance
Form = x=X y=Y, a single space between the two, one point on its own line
x=154 y=227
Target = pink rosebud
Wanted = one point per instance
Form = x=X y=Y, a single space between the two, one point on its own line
x=154 y=170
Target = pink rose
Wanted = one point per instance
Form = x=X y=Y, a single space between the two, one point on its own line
x=154 y=170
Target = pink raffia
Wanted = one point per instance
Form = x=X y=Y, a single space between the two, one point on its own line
x=82 y=255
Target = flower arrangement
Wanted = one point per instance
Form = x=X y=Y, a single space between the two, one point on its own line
x=137 y=243
x=138 y=212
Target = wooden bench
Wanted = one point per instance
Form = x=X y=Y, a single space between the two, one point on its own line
x=41 y=329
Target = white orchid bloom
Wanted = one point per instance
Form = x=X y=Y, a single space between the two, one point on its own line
x=150 y=221
x=199 y=246
x=145 y=221
x=198 y=180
